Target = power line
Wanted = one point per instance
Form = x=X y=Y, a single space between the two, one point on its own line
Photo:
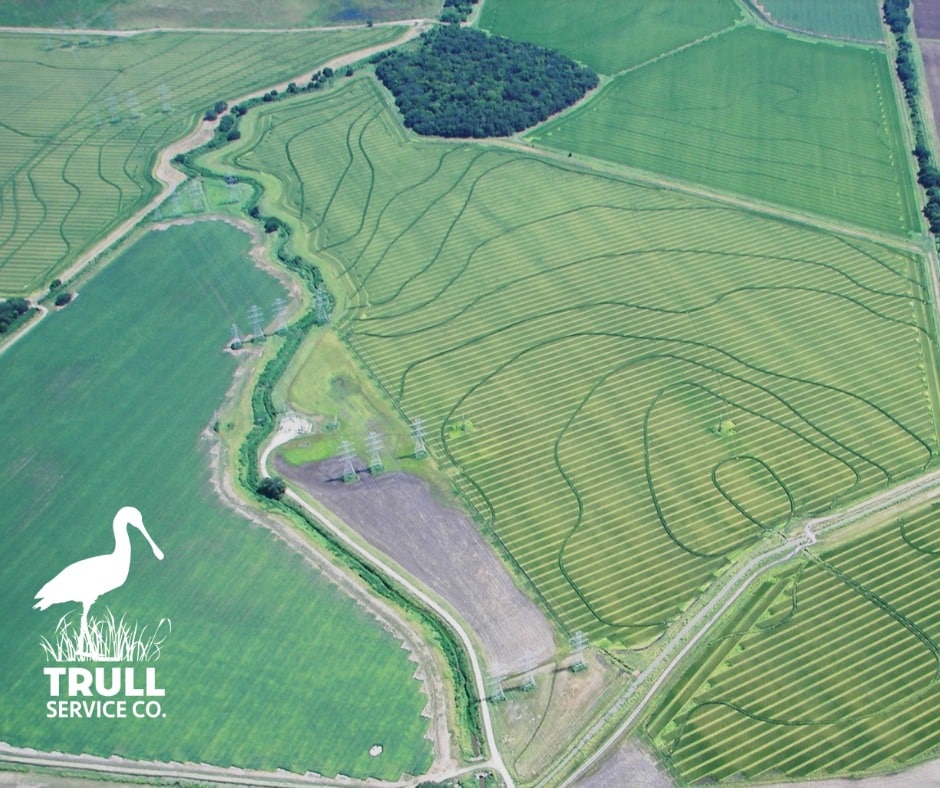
x=278 y=307
x=255 y=315
x=495 y=683
x=347 y=454
x=322 y=306
x=578 y=643
x=375 y=446
x=417 y=431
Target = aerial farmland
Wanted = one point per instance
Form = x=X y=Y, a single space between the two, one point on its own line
x=514 y=393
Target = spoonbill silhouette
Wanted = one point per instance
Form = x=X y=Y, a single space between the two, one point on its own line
x=86 y=580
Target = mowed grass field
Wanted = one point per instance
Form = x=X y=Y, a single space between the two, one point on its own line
x=607 y=36
x=830 y=669
x=854 y=19
x=146 y=14
x=813 y=127
x=628 y=386
x=84 y=118
x=268 y=664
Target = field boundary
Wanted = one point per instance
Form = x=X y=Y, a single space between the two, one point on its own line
x=762 y=15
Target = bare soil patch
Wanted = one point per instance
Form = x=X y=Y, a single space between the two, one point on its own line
x=925 y=774
x=396 y=513
x=930 y=50
x=630 y=764
x=537 y=725
x=927 y=18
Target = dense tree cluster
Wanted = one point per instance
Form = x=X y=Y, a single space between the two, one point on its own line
x=456 y=11
x=897 y=18
x=272 y=487
x=463 y=83
x=11 y=311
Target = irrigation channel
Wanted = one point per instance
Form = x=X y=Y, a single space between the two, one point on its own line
x=893 y=501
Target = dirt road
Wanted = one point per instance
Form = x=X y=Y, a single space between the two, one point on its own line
x=893 y=501
x=168 y=175
x=495 y=761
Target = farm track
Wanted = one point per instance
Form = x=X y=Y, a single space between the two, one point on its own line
x=891 y=502
x=169 y=176
x=68 y=31
x=495 y=760
x=430 y=277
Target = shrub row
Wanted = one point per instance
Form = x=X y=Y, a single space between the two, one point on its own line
x=264 y=419
x=12 y=313
x=898 y=19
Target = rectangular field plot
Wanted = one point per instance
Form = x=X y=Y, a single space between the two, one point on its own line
x=812 y=127
x=231 y=14
x=630 y=386
x=831 y=669
x=853 y=19
x=608 y=36
x=85 y=117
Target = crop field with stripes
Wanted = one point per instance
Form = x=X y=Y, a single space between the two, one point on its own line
x=609 y=37
x=627 y=385
x=830 y=669
x=814 y=127
x=84 y=116
x=268 y=664
x=853 y=19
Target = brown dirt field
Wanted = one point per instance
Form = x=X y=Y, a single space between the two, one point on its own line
x=629 y=765
x=440 y=546
x=930 y=49
x=926 y=774
x=927 y=18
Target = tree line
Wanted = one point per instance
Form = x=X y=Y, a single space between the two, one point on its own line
x=11 y=312
x=897 y=18
x=461 y=82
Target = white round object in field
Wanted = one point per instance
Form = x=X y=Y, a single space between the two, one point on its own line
x=375 y=750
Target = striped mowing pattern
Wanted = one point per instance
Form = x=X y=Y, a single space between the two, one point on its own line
x=810 y=126
x=84 y=118
x=832 y=669
x=629 y=386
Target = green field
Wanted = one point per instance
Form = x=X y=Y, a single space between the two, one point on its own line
x=810 y=126
x=103 y=404
x=145 y=14
x=830 y=669
x=654 y=382
x=609 y=37
x=84 y=118
x=855 y=19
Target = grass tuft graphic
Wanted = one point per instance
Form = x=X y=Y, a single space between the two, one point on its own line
x=109 y=639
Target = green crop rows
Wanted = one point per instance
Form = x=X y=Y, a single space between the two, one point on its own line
x=232 y=14
x=85 y=116
x=832 y=669
x=267 y=665
x=607 y=36
x=856 y=19
x=810 y=126
x=630 y=385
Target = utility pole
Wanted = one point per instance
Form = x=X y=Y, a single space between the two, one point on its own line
x=417 y=430
x=255 y=315
x=374 y=445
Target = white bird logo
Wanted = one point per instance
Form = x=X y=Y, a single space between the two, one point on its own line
x=86 y=580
